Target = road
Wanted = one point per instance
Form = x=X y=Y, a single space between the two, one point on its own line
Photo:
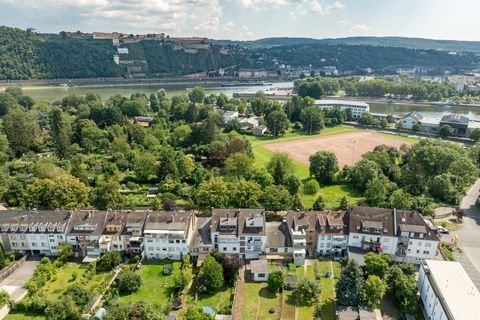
x=469 y=235
x=14 y=284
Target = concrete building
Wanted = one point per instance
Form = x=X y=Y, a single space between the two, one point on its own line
x=446 y=291
x=259 y=269
x=402 y=234
x=279 y=241
x=111 y=238
x=132 y=235
x=36 y=232
x=252 y=73
x=457 y=122
x=239 y=231
x=168 y=235
x=85 y=230
x=332 y=233
x=230 y=115
x=301 y=227
x=357 y=107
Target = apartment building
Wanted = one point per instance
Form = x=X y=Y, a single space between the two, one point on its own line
x=112 y=236
x=168 y=234
x=132 y=235
x=446 y=291
x=239 y=231
x=37 y=232
x=84 y=232
x=400 y=233
x=301 y=226
x=279 y=242
x=201 y=241
x=332 y=233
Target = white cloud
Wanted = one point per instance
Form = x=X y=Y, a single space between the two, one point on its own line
x=172 y=16
x=315 y=7
x=360 y=27
x=337 y=6
x=264 y=4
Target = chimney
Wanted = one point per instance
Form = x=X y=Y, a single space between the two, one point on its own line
x=394 y=221
x=89 y=214
x=115 y=215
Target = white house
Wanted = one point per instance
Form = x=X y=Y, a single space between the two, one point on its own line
x=332 y=233
x=357 y=107
x=230 y=115
x=168 y=235
x=111 y=238
x=301 y=226
x=446 y=291
x=239 y=231
x=259 y=269
x=252 y=73
x=132 y=235
x=400 y=233
x=411 y=119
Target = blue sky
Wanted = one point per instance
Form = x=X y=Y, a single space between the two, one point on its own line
x=252 y=19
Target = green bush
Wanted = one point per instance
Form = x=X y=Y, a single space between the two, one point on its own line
x=310 y=187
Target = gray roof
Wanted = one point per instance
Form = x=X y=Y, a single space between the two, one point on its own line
x=202 y=235
x=278 y=235
x=412 y=228
x=42 y=219
x=259 y=266
x=238 y=221
x=168 y=220
x=455 y=118
x=415 y=115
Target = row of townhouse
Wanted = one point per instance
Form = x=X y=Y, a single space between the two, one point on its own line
x=159 y=235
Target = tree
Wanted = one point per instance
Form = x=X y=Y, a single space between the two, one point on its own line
x=350 y=285
x=196 y=314
x=401 y=200
x=475 y=135
x=212 y=194
x=238 y=165
x=63 y=309
x=377 y=264
x=64 y=251
x=245 y=194
x=196 y=95
x=145 y=166
x=293 y=184
x=154 y=104
x=4 y=298
x=374 y=289
x=231 y=264
x=276 y=198
x=441 y=187
x=343 y=204
x=277 y=122
x=129 y=282
x=416 y=127
x=275 y=281
x=20 y=128
x=107 y=195
x=80 y=295
x=210 y=276
x=108 y=261
x=280 y=167
x=7 y=102
x=306 y=292
x=445 y=131
x=323 y=166
x=61 y=131
x=320 y=203
x=378 y=190
x=312 y=119
x=181 y=278
x=311 y=187
x=362 y=172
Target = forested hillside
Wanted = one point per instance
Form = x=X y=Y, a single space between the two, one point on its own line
x=25 y=55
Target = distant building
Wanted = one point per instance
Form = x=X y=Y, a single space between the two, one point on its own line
x=427 y=124
x=122 y=50
x=457 y=122
x=252 y=73
x=447 y=292
x=229 y=116
x=358 y=108
x=116 y=59
x=260 y=130
x=259 y=269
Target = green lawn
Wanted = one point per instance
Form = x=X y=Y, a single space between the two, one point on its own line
x=258 y=302
x=23 y=316
x=221 y=301
x=64 y=278
x=156 y=287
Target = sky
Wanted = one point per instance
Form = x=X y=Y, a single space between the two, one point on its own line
x=251 y=19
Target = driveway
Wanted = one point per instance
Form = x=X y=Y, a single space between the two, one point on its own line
x=14 y=284
x=469 y=235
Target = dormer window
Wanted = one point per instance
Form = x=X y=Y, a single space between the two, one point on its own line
x=5 y=227
x=23 y=228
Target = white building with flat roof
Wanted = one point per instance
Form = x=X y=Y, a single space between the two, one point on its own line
x=358 y=107
x=447 y=292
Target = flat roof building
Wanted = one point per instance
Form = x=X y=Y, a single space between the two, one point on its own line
x=446 y=291
x=357 y=107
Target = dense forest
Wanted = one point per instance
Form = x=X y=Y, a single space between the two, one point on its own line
x=27 y=55
x=81 y=151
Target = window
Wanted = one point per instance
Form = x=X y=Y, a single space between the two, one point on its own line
x=419 y=244
x=171 y=241
x=428 y=244
x=426 y=252
x=52 y=240
x=59 y=237
x=177 y=241
x=224 y=248
x=285 y=249
x=322 y=237
x=418 y=251
x=261 y=275
x=234 y=248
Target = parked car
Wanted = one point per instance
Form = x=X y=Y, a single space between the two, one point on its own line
x=443 y=230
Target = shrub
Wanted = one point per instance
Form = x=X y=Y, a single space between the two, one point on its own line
x=130 y=282
x=310 y=187
x=108 y=261
x=275 y=281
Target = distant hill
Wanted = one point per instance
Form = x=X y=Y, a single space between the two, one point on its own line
x=402 y=42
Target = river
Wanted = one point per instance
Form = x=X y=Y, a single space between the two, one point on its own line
x=51 y=94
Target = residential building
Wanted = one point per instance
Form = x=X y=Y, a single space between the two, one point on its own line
x=357 y=107
x=332 y=233
x=168 y=234
x=229 y=116
x=132 y=235
x=201 y=241
x=36 y=232
x=252 y=73
x=301 y=226
x=279 y=241
x=249 y=123
x=260 y=130
x=112 y=236
x=85 y=230
x=457 y=122
x=400 y=233
x=411 y=119
x=446 y=291
x=259 y=269
x=239 y=231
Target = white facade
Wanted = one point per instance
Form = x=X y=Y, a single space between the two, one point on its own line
x=363 y=240
x=156 y=246
x=357 y=108
x=331 y=243
x=408 y=122
x=446 y=291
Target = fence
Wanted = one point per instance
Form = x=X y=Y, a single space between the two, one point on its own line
x=9 y=270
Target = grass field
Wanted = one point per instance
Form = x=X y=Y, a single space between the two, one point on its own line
x=259 y=301
x=156 y=287
x=221 y=301
x=24 y=316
